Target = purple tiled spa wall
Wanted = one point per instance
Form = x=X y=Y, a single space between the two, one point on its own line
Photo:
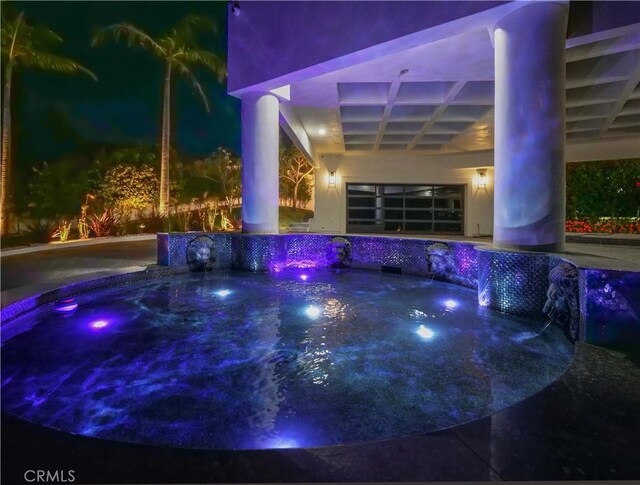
x=610 y=307
x=593 y=305
x=451 y=261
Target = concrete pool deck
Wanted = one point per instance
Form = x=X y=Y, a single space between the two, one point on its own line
x=583 y=426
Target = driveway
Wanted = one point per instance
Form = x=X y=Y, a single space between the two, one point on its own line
x=26 y=274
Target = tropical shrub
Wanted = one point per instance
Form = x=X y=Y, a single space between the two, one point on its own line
x=128 y=188
x=63 y=231
x=153 y=223
x=102 y=224
x=55 y=189
x=40 y=230
x=607 y=188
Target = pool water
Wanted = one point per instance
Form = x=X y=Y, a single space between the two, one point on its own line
x=243 y=360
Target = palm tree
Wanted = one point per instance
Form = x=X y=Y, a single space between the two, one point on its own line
x=24 y=46
x=180 y=53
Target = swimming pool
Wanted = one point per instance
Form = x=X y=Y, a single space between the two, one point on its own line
x=304 y=358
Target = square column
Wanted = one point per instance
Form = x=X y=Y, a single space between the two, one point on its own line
x=260 y=183
x=529 y=208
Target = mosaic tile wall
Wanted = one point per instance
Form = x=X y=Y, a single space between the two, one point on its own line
x=513 y=282
x=279 y=252
x=172 y=248
x=610 y=307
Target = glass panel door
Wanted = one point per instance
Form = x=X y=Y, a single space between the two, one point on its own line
x=417 y=209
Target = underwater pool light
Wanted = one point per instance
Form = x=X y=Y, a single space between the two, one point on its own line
x=425 y=333
x=98 y=324
x=312 y=311
x=65 y=306
x=222 y=293
x=304 y=277
x=281 y=443
x=451 y=304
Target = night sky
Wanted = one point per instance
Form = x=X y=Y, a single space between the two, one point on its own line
x=56 y=114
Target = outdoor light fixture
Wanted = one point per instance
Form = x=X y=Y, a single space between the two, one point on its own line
x=482 y=178
x=322 y=131
x=332 y=179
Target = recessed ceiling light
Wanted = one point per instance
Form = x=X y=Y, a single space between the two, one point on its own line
x=322 y=131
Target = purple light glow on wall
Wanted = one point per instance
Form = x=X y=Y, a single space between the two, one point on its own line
x=280 y=443
x=279 y=266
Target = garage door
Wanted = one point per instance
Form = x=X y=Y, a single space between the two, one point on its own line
x=413 y=209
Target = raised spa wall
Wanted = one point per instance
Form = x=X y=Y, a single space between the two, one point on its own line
x=601 y=306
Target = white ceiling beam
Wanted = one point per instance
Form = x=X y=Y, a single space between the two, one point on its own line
x=628 y=89
x=605 y=47
x=453 y=92
x=391 y=100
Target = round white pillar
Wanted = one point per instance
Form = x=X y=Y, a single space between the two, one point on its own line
x=260 y=137
x=529 y=204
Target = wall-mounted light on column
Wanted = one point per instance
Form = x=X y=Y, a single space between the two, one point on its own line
x=332 y=179
x=482 y=178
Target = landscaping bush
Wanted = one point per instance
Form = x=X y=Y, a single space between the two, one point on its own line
x=40 y=231
x=102 y=224
x=607 y=225
x=63 y=231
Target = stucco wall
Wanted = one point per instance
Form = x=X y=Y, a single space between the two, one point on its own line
x=331 y=204
x=269 y=39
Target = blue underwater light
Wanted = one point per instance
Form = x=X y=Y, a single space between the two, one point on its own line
x=425 y=333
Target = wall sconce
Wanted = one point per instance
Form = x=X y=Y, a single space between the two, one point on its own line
x=332 y=179
x=482 y=178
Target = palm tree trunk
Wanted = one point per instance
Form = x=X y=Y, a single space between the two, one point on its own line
x=6 y=153
x=165 y=145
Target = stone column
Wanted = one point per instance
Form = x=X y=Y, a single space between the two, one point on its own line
x=529 y=204
x=260 y=138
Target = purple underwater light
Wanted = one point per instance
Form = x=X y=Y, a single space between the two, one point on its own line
x=98 y=324
x=66 y=306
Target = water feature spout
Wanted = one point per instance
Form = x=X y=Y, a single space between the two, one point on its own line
x=522 y=336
